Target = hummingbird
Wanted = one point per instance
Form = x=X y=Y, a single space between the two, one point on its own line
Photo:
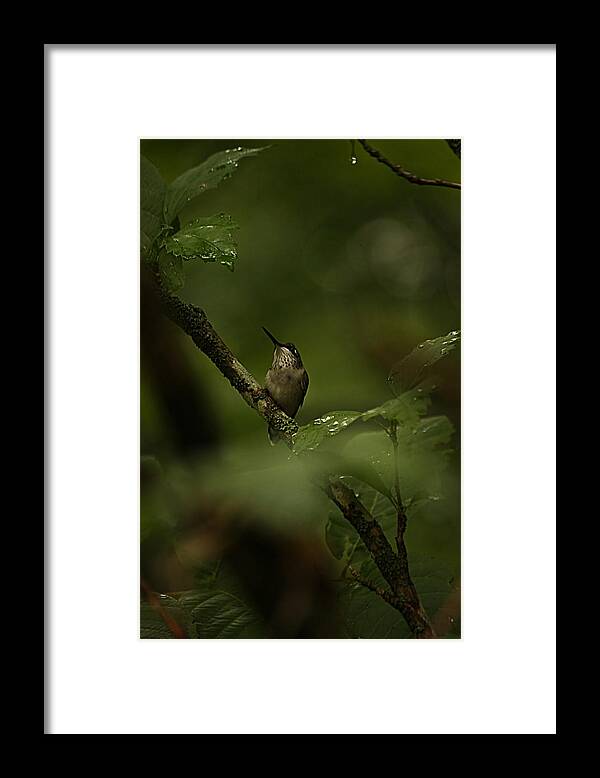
x=286 y=380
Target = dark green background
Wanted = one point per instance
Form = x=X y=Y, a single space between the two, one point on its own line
x=350 y=262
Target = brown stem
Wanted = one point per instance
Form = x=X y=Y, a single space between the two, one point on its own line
x=406 y=174
x=378 y=590
x=393 y=567
x=401 y=512
x=402 y=518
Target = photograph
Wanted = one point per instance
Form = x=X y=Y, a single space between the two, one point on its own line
x=300 y=388
x=285 y=362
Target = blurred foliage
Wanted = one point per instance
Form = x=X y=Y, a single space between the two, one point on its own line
x=357 y=267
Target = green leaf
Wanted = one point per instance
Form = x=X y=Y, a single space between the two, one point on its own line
x=310 y=436
x=321 y=465
x=409 y=371
x=432 y=432
x=382 y=510
x=363 y=471
x=217 y=608
x=152 y=196
x=208 y=238
x=405 y=409
x=366 y=615
x=153 y=626
x=220 y=614
x=203 y=177
x=171 y=271
x=337 y=535
x=423 y=457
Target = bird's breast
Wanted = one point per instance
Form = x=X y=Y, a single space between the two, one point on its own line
x=286 y=387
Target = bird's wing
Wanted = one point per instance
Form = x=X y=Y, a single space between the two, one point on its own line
x=304 y=385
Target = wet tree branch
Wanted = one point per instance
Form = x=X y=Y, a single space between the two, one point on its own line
x=406 y=174
x=194 y=322
x=393 y=567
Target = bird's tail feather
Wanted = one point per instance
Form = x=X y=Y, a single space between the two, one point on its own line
x=274 y=436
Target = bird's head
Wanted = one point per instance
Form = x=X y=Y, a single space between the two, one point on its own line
x=285 y=354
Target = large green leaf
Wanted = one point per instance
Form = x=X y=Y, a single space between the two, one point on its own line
x=220 y=614
x=217 y=607
x=407 y=373
x=406 y=410
x=432 y=432
x=310 y=436
x=423 y=457
x=208 y=238
x=366 y=615
x=203 y=177
x=152 y=196
x=321 y=465
x=338 y=537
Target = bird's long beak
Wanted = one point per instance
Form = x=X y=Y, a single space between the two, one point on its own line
x=275 y=341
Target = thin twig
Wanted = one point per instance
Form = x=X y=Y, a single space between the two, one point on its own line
x=401 y=520
x=406 y=174
x=386 y=595
x=401 y=512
